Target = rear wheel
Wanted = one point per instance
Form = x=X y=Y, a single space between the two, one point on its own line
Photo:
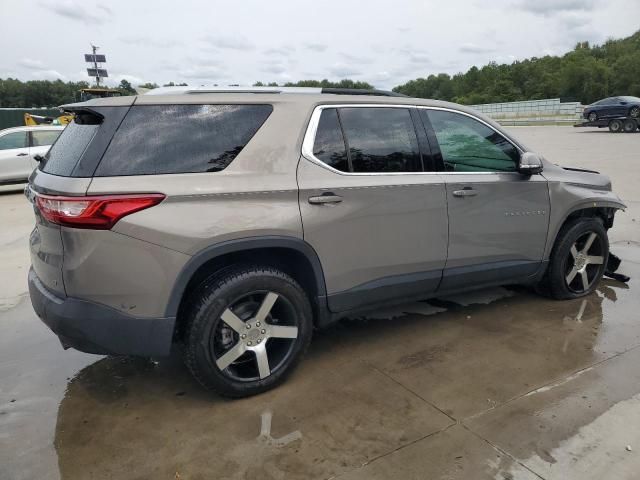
x=578 y=259
x=634 y=112
x=247 y=328
x=629 y=125
x=615 y=126
x=593 y=116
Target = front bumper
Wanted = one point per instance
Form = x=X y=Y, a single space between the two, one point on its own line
x=94 y=328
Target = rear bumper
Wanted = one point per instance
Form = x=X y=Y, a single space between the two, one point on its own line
x=94 y=328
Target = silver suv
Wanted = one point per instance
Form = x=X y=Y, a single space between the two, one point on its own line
x=234 y=223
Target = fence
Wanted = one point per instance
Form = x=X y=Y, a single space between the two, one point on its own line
x=14 y=117
x=550 y=111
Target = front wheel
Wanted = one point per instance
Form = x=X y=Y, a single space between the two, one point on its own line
x=578 y=259
x=593 y=116
x=247 y=328
x=634 y=112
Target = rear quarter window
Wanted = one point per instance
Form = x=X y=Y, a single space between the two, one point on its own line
x=162 y=139
x=65 y=153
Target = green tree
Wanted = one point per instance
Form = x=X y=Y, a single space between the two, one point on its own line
x=149 y=85
x=587 y=73
x=126 y=88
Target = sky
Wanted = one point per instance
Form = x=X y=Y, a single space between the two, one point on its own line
x=385 y=43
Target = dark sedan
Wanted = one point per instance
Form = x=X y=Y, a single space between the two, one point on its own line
x=613 y=107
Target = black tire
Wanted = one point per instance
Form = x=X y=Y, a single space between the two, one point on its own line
x=634 y=112
x=629 y=125
x=593 y=116
x=243 y=290
x=615 y=126
x=563 y=260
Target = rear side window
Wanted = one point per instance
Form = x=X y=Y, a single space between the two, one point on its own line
x=329 y=145
x=13 y=140
x=63 y=156
x=160 y=139
x=42 y=138
x=378 y=140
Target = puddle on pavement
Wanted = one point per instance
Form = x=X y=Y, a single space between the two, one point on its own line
x=357 y=396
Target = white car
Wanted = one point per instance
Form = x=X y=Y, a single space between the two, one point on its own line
x=19 y=147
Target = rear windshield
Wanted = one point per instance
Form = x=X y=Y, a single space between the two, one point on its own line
x=160 y=139
x=65 y=153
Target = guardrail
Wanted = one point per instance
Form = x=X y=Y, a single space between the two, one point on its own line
x=549 y=111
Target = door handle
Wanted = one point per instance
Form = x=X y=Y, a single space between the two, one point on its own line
x=327 y=197
x=22 y=155
x=465 y=192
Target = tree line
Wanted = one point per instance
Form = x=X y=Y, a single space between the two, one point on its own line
x=585 y=74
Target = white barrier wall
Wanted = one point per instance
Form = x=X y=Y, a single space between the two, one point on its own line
x=550 y=110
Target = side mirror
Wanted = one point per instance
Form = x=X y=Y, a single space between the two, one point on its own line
x=530 y=163
x=623 y=103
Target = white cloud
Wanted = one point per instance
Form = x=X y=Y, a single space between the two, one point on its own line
x=343 y=70
x=31 y=64
x=474 y=48
x=79 y=11
x=316 y=47
x=196 y=43
x=228 y=42
x=276 y=68
x=550 y=7
x=202 y=72
x=48 y=75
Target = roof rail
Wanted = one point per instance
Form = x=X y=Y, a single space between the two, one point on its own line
x=361 y=91
x=307 y=90
x=203 y=89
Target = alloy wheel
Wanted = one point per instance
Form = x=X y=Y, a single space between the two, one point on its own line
x=635 y=112
x=584 y=262
x=593 y=117
x=255 y=336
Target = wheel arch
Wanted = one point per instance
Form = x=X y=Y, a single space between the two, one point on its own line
x=587 y=209
x=293 y=255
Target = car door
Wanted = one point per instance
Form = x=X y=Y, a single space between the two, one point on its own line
x=14 y=156
x=619 y=108
x=41 y=140
x=608 y=108
x=376 y=220
x=498 y=218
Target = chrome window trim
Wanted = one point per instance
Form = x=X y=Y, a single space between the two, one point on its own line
x=312 y=128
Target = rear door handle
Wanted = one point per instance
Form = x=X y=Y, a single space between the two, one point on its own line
x=22 y=155
x=327 y=197
x=465 y=192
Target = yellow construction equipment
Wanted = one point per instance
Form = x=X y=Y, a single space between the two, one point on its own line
x=33 y=120
x=83 y=95
x=89 y=93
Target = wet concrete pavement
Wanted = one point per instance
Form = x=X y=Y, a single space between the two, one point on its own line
x=500 y=383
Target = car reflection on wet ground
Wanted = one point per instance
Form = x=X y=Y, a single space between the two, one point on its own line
x=499 y=383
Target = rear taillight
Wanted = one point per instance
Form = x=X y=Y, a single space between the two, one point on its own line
x=95 y=212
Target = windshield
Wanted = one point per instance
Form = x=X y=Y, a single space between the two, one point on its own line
x=630 y=99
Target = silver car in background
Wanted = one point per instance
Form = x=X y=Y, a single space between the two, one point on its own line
x=19 y=148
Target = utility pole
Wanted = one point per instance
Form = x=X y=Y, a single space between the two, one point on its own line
x=94 y=49
x=95 y=59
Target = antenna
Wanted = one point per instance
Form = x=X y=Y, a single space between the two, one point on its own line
x=95 y=59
